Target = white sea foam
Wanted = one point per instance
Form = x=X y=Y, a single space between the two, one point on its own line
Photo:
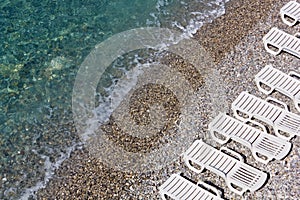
x=192 y=19
x=49 y=168
x=117 y=92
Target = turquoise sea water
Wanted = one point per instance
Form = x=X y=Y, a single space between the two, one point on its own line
x=42 y=46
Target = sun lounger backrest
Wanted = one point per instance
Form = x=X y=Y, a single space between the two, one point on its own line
x=254 y=107
x=260 y=142
x=277 y=40
x=179 y=188
x=277 y=80
x=236 y=173
x=290 y=13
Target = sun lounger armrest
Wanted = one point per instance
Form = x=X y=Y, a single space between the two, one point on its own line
x=212 y=131
x=294 y=74
x=297 y=35
x=264 y=161
x=187 y=162
x=285 y=14
x=229 y=184
x=267 y=92
x=239 y=157
x=218 y=140
x=273 y=52
x=287 y=21
x=271 y=99
x=217 y=192
x=257 y=124
x=162 y=195
x=278 y=133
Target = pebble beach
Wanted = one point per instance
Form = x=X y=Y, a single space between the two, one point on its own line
x=234 y=42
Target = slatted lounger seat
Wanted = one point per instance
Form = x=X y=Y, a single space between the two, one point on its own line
x=279 y=41
x=264 y=147
x=239 y=176
x=179 y=188
x=277 y=80
x=290 y=13
x=280 y=119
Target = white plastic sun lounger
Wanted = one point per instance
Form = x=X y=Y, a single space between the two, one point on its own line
x=179 y=188
x=254 y=107
x=290 y=13
x=277 y=40
x=264 y=147
x=277 y=80
x=239 y=176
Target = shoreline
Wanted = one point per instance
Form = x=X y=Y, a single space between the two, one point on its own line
x=238 y=58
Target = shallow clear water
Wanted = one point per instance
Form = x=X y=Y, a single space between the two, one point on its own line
x=42 y=46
